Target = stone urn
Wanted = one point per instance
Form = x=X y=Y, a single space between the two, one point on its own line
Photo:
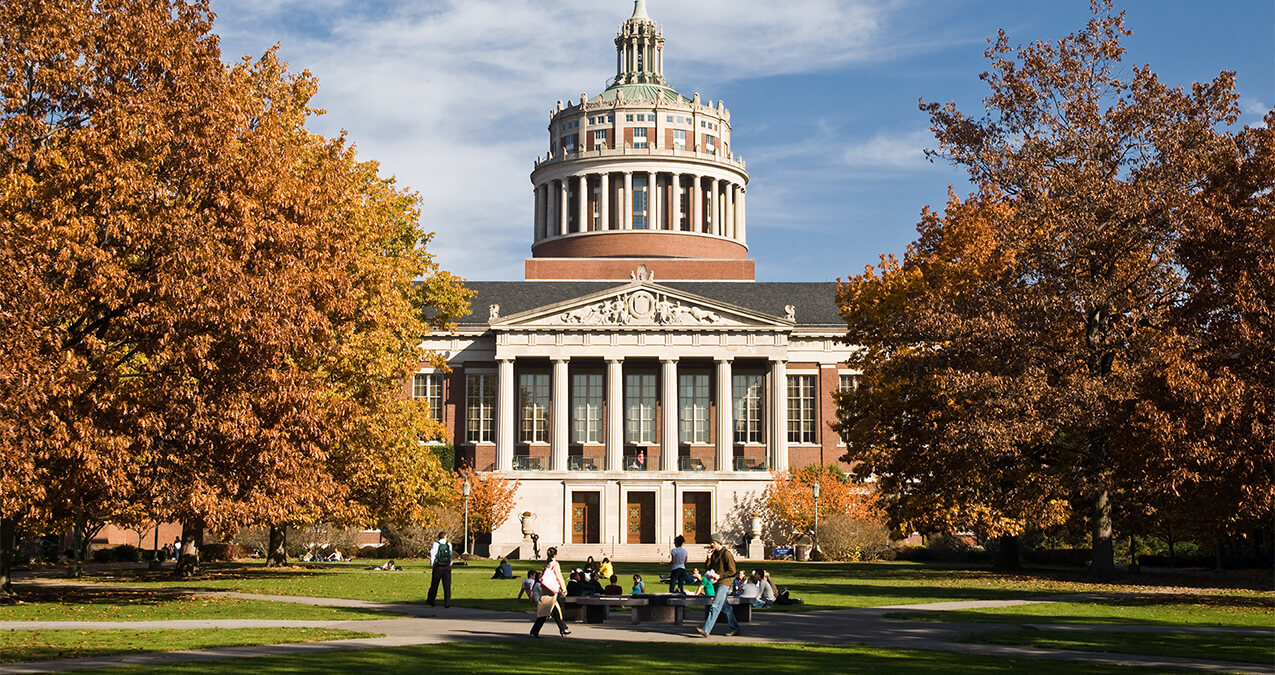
x=528 y=520
x=754 y=525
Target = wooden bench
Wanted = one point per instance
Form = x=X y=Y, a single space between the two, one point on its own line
x=596 y=608
x=742 y=607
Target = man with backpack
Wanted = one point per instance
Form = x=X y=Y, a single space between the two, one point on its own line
x=440 y=562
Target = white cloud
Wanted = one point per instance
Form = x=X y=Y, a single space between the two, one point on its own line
x=452 y=96
x=1252 y=106
x=899 y=151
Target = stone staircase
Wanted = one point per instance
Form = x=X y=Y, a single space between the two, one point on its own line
x=616 y=552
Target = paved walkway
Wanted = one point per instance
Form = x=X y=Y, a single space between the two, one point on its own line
x=427 y=625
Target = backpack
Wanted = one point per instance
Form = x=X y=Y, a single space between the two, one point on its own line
x=444 y=556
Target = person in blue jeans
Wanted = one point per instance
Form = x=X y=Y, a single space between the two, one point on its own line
x=722 y=562
x=678 y=577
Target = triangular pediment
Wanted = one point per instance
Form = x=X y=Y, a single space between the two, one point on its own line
x=641 y=304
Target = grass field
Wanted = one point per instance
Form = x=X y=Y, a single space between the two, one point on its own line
x=36 y=645
x=1200 y=609
x=106 y=604
x=820 y=585
x=553 y=657
x=1215 y=647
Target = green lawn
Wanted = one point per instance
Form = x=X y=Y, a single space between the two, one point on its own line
x=44 y=645
x=552 y=657
x=1213 y=647
x=1203 y=609
x=821 y=585
x=45 y=603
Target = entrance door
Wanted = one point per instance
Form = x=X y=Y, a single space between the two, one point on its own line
x=696 y=513
x=641 y=518
x=585 y=518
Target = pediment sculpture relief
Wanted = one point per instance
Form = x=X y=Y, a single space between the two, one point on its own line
x=637 y=308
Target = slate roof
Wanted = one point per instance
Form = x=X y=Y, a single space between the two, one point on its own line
x=815 y=302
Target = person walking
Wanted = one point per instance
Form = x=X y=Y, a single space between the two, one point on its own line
x=722 y=563
x=677 y=577
x=551 y=584
x=440 y=563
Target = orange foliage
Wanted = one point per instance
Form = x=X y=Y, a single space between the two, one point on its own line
x=791 y=496
x=491 y=499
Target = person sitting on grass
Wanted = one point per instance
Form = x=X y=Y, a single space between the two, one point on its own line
x=638 y=586
x=336 y=556
x=707 y=583
x=504 y=570
x=613 y=588
x=750 y=590
x=605 y=570
x=737 y=584
x=527 y=585
x=769 y=593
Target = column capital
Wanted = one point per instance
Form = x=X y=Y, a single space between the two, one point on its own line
x=609 y=360
x=668 y=360
x=560 y=359
x=723 y=359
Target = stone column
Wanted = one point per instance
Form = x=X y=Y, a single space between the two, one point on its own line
x=668 y=402
x=725 y=417
x=715 y=202
x=604 y=203
x=741 y=219
x=730 y=210
x=505 y=418
x=652 y=202
x=779 y=413
x=628 y=200
x=582 y=203
x=563 y=204
x=697 y=206
x=675 y=186
x=615 y=415
x=538 y=224
x=560 y=405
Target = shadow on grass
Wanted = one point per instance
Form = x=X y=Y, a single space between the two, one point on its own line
x=1212 y=647
x=553 y=655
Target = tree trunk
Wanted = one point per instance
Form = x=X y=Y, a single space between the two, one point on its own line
x=77 y=548
x=7 y=546
x=1006 y=553
x=192 y=539
x=1103 y=566
x=277 y=548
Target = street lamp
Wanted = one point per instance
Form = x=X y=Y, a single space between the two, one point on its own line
x=815 y=489
x=464 y=490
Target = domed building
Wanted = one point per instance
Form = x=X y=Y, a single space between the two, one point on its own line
x=640 y=384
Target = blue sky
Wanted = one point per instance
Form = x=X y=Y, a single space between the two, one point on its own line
x=452 y=97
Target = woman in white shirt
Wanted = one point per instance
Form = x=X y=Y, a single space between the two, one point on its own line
x=551 y=585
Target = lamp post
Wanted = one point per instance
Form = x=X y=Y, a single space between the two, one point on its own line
x=815 y=489
x=464 y=490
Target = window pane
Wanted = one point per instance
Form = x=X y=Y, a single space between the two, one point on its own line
x=480 y=408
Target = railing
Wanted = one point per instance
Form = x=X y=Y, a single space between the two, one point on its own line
x=528 y=463
x=746 y=464
x=581 y=463
x=635 y=463
x=693 y=464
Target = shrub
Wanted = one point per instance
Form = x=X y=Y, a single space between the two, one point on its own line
x=219 y=552
x=844 y=537
x=942 y=548
x=1065 y=557
x=121 y=553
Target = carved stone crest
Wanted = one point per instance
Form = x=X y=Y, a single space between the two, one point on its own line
x=639 y=307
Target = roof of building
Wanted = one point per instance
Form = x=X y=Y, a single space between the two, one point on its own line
x=815 y=302
x=639 y=92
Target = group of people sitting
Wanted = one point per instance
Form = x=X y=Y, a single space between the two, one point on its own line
x=584 y=581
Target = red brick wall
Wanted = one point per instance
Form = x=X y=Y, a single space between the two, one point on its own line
x=619 y=269
x=637 y=243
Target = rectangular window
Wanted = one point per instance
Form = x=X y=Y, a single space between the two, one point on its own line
x=429 y=386
x=586 y=404
x=480 y=408
x=639 y=137
x=533 y=397
x=710 y=144
x=599 y=139
x=668 y=118
x=679 y=139
x=692 y=391
x=628 y=118
x=569 y=143
x=639 y=406
x=748 y=408
x=639 y=201
x=801 y=408
x=849 y=383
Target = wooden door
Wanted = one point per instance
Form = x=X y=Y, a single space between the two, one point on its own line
x=696 y=513
x=641 y=518
x=585 y=516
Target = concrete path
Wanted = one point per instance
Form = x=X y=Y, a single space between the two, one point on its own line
x=426 y=625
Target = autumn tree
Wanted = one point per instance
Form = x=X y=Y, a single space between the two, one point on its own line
x=790 y=497
x=1098 y=176
x=197 y=278
x=491 y=499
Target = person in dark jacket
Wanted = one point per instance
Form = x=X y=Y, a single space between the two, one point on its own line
x=722 y=562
